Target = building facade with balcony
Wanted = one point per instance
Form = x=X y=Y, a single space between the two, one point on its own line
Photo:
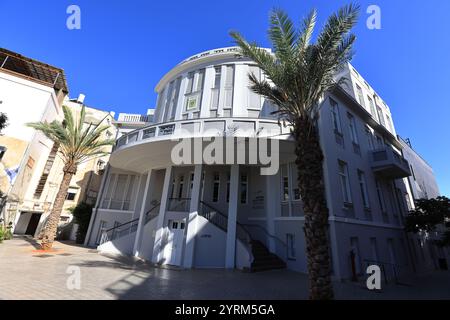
x=230 y=215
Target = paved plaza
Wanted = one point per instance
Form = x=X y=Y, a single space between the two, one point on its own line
x=26 y=273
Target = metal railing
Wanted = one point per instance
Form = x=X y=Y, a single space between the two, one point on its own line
x=266 y=127
x=128 y=227
x=266 y=233
x=179 y=204
x=220 y=220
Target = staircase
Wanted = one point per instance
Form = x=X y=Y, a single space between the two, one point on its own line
x=129 y=227
x=263 y=259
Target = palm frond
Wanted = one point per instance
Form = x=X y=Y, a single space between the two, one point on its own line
x=77 y=140
x=283 y=35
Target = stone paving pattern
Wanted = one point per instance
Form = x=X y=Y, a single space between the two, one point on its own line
x=27 y=274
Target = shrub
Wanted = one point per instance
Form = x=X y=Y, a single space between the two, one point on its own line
x=82 y=216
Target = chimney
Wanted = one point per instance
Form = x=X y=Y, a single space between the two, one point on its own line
x=80 y=98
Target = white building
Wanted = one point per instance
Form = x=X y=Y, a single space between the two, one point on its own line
x=30 y=91
x=232 y=216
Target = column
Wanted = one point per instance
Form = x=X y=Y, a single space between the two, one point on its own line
x=137 y=240
x=273 y=205
x=192 y=218
x=162 y=211
x=232 y=217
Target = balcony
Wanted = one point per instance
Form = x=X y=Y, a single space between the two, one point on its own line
x=240 y=127
x=151 y=146
x=389 y=164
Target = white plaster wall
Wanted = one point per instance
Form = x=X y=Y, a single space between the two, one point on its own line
x=210 y=243
x=19 y=95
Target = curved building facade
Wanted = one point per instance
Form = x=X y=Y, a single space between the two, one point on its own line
x=212 y=181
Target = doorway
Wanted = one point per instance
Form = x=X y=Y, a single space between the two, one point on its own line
x=33 y=224
x=174 y=245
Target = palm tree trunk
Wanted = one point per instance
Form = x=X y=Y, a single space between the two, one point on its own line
x=49 y=233
x=309 y=159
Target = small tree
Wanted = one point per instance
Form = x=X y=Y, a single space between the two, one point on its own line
x=78 y=142
x=428 y=215
x=82 y=216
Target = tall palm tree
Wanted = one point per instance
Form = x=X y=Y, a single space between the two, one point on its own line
x=300 y=73
x=78 y=142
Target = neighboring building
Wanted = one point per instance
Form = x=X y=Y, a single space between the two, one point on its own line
x=232 y=216
x=30 y=91
x=128 y=122
x=31 y=170
x=422 y=184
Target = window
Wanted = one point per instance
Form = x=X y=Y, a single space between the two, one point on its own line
x=180 y=186
x=389 y=123
x=284 y=183
x=229 y=82
x=363 y=189
x=216 y=186
x=289 y=191
x=352 y=127
x=290 y=241
x=380 y=143
x=191 y=184
x=101 y=165
x=360 y=95
x=215 y=91
x=374 y=249
x=254 y=99
x=172 y=100
x=392 y=258
x=380 y=196
x=345 y=184
x=369 y=138
x=372 y=106
x=194 y=90
x=129 y=193
x=120 y=191
x=190 y=82
x=71 y=194
x=380 y=116
x=244 y=186
x=354 y=247
x=335 y=116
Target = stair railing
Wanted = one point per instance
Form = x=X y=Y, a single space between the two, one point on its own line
x=219 y=219
x=267 y=233
x=129 y=226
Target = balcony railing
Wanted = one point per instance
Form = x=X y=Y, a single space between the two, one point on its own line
x=241 y=127
x=389 y=163
x=128 y=117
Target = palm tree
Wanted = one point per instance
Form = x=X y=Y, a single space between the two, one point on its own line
x=78 y=143
x=300 y=73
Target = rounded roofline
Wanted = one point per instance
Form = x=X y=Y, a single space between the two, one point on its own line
x=197 y=59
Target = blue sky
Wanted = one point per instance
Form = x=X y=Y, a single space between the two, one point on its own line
x=125 y=47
